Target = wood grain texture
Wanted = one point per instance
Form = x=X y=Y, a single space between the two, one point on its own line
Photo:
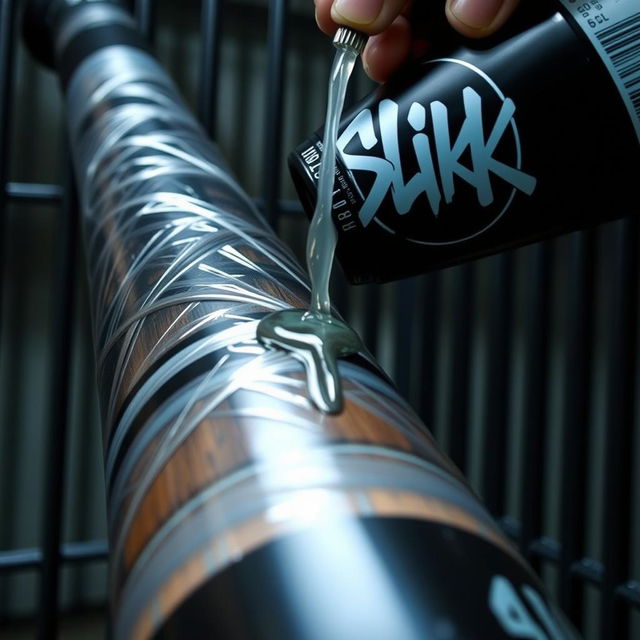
x=220 y=445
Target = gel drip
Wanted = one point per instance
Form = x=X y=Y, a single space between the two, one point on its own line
x=315 y=336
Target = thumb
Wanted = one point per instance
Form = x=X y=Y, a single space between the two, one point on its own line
x=478 y=18
x=369 y=16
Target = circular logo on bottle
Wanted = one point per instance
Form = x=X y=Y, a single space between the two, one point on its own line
x=443 y=163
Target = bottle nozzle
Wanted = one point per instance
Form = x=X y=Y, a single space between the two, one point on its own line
x=347 y=38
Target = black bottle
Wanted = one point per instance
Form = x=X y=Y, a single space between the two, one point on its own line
x=489 y=145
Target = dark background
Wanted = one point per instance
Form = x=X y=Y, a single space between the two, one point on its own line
x=523 y=365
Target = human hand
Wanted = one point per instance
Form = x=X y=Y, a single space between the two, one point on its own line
x=388 y=22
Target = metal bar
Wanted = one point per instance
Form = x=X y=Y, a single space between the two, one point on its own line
x=7 y=30
x=619 y=422
x=86 y=551
x=535 y=402
x=210 y=22
x=82 y=496
x=7 y=69
x=630 y=591
x=546 y=548
x=575 y=418
x=59 y=394
x=20 y=559
x=510 y=526
x=459 y=381
x=372 y=317
x=144 y=11
x=276 y=46
x=428 y=362
x=497 y=383
x=588 y=570
x=405 y=311
x=34 y=192
x=73 y=552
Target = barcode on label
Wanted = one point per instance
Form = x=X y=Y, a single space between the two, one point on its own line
x=621 y=41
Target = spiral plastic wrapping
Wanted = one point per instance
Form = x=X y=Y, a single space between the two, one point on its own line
x=212 y=447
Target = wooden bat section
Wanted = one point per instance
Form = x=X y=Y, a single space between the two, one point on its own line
x=235 y=507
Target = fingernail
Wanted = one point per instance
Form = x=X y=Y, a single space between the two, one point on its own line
x=476 y=14
x=357 y=11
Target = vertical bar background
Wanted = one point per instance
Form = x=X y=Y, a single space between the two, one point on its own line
x=535 y=400
x=210 y=24
x=7 y=30
x=579 y=332
x=429 y=325
x=472 y=346
x=459 y=381
x=276 y=49
x=59 y=411
x=497 y=381
x=621 y=382
x=144 y=11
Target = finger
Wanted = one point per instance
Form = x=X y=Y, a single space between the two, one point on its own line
x=386 y=51
x=369 y=16
x=479 y=18
x=323 y=16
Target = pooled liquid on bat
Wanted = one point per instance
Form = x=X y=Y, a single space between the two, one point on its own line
x=315 y=336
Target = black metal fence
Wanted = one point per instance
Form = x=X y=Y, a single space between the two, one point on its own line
x=523 y=364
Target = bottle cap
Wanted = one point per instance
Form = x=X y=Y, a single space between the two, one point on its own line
x=347 y=38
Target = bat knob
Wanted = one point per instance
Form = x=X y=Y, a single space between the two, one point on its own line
x=40 y=21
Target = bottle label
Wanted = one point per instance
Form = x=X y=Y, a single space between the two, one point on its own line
x=613 y=27
x=415 y=162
